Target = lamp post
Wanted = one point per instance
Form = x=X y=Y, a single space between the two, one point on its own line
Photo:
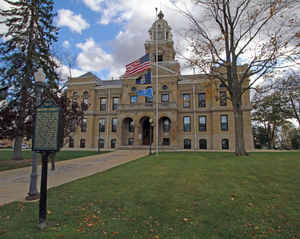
x=150 y=141
x=33 y=193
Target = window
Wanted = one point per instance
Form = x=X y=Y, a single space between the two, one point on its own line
x=71 y=142
x=73 y=127
x=133 y=89
x=164 y=98
x=133 y=99
x=202 y=144
x=130 y=141
x=202 y=123
x=166 y=125
x=201 y=100
x=82 y=143
x=101 y=143
x=113 y=143
x=166 y=141
x=115 y=103
x=186 y=100
x=114 y=125
x=224 y=122
x=75 y=96
x=102 y=125
x=131 y=126
x=102 y=104
x=225 y=144
x=83 y=125
x=86 y=97
x=149 y=98
x=223 y=98
x=187 y=144
x=164 y=87
x=186 y=123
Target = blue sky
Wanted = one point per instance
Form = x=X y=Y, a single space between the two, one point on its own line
x=102 y=36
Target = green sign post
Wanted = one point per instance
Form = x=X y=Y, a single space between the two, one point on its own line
x=46 y=139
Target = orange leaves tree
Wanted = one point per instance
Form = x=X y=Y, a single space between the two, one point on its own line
x=237 y=40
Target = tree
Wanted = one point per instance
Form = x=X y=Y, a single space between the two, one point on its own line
x=25 y=48
x=260 y=137
x=270 y=111
x=295 y=138
x=289 y=85
x=233 y=40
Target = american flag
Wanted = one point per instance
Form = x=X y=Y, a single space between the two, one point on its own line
x=139 y=65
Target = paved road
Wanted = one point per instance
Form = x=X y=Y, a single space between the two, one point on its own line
x=14 y=184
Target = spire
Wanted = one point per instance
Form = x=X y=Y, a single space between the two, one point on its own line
x=160 y=15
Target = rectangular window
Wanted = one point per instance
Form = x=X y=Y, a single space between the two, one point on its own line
x=114 y=125
x=201 y=100
x=225 y=144
x=103 y=104
x=71 y=142
x=164 y=98
x=202 y=123
x=102 y=125
x=187 y=144
x=224 y=122
x=166 y=141
x=115 y=103
x=82 y=143
x=133 y=99
x=101 y=143
x=223 y=98
x=186 y=123
x=83 y=125
x=186 y=100
x=130 y=141
x=73 y=127
x=113 y=143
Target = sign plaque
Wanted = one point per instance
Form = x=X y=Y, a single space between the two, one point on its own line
x=46 y=135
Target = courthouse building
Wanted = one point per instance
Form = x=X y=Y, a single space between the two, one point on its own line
x=193 y=112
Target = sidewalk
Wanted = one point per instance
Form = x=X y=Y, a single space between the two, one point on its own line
x=14 y=184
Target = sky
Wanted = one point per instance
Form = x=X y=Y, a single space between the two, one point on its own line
x=102 y=36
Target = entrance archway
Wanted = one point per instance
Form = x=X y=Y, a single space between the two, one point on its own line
x=146 y=130
x=127 y=131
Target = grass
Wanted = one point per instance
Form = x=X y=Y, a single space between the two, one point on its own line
x=7 y=163
x=175 y=195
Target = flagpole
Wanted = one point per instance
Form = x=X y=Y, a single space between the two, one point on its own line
x=156 y=101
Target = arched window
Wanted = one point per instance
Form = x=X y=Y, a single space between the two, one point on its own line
x=164 y=87
x=202 y=144
x=166 y=125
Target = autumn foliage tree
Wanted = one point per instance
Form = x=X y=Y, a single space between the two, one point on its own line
x=226 y=34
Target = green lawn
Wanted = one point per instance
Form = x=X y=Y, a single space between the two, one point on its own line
x=175 y=195
x=6 y=163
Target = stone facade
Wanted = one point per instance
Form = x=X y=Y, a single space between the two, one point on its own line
x=193 y=112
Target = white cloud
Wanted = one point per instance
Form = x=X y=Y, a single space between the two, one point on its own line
x=4 y=6
x=69 y=19
x=66 y=44
x=93 y=57
x=94 y=5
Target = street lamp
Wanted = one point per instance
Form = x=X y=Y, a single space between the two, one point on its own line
x=150 y=141
x=33 y=193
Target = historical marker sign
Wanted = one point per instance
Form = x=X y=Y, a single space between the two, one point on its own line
x=47 y=128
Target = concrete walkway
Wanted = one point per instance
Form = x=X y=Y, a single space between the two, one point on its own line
x=14 y=184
